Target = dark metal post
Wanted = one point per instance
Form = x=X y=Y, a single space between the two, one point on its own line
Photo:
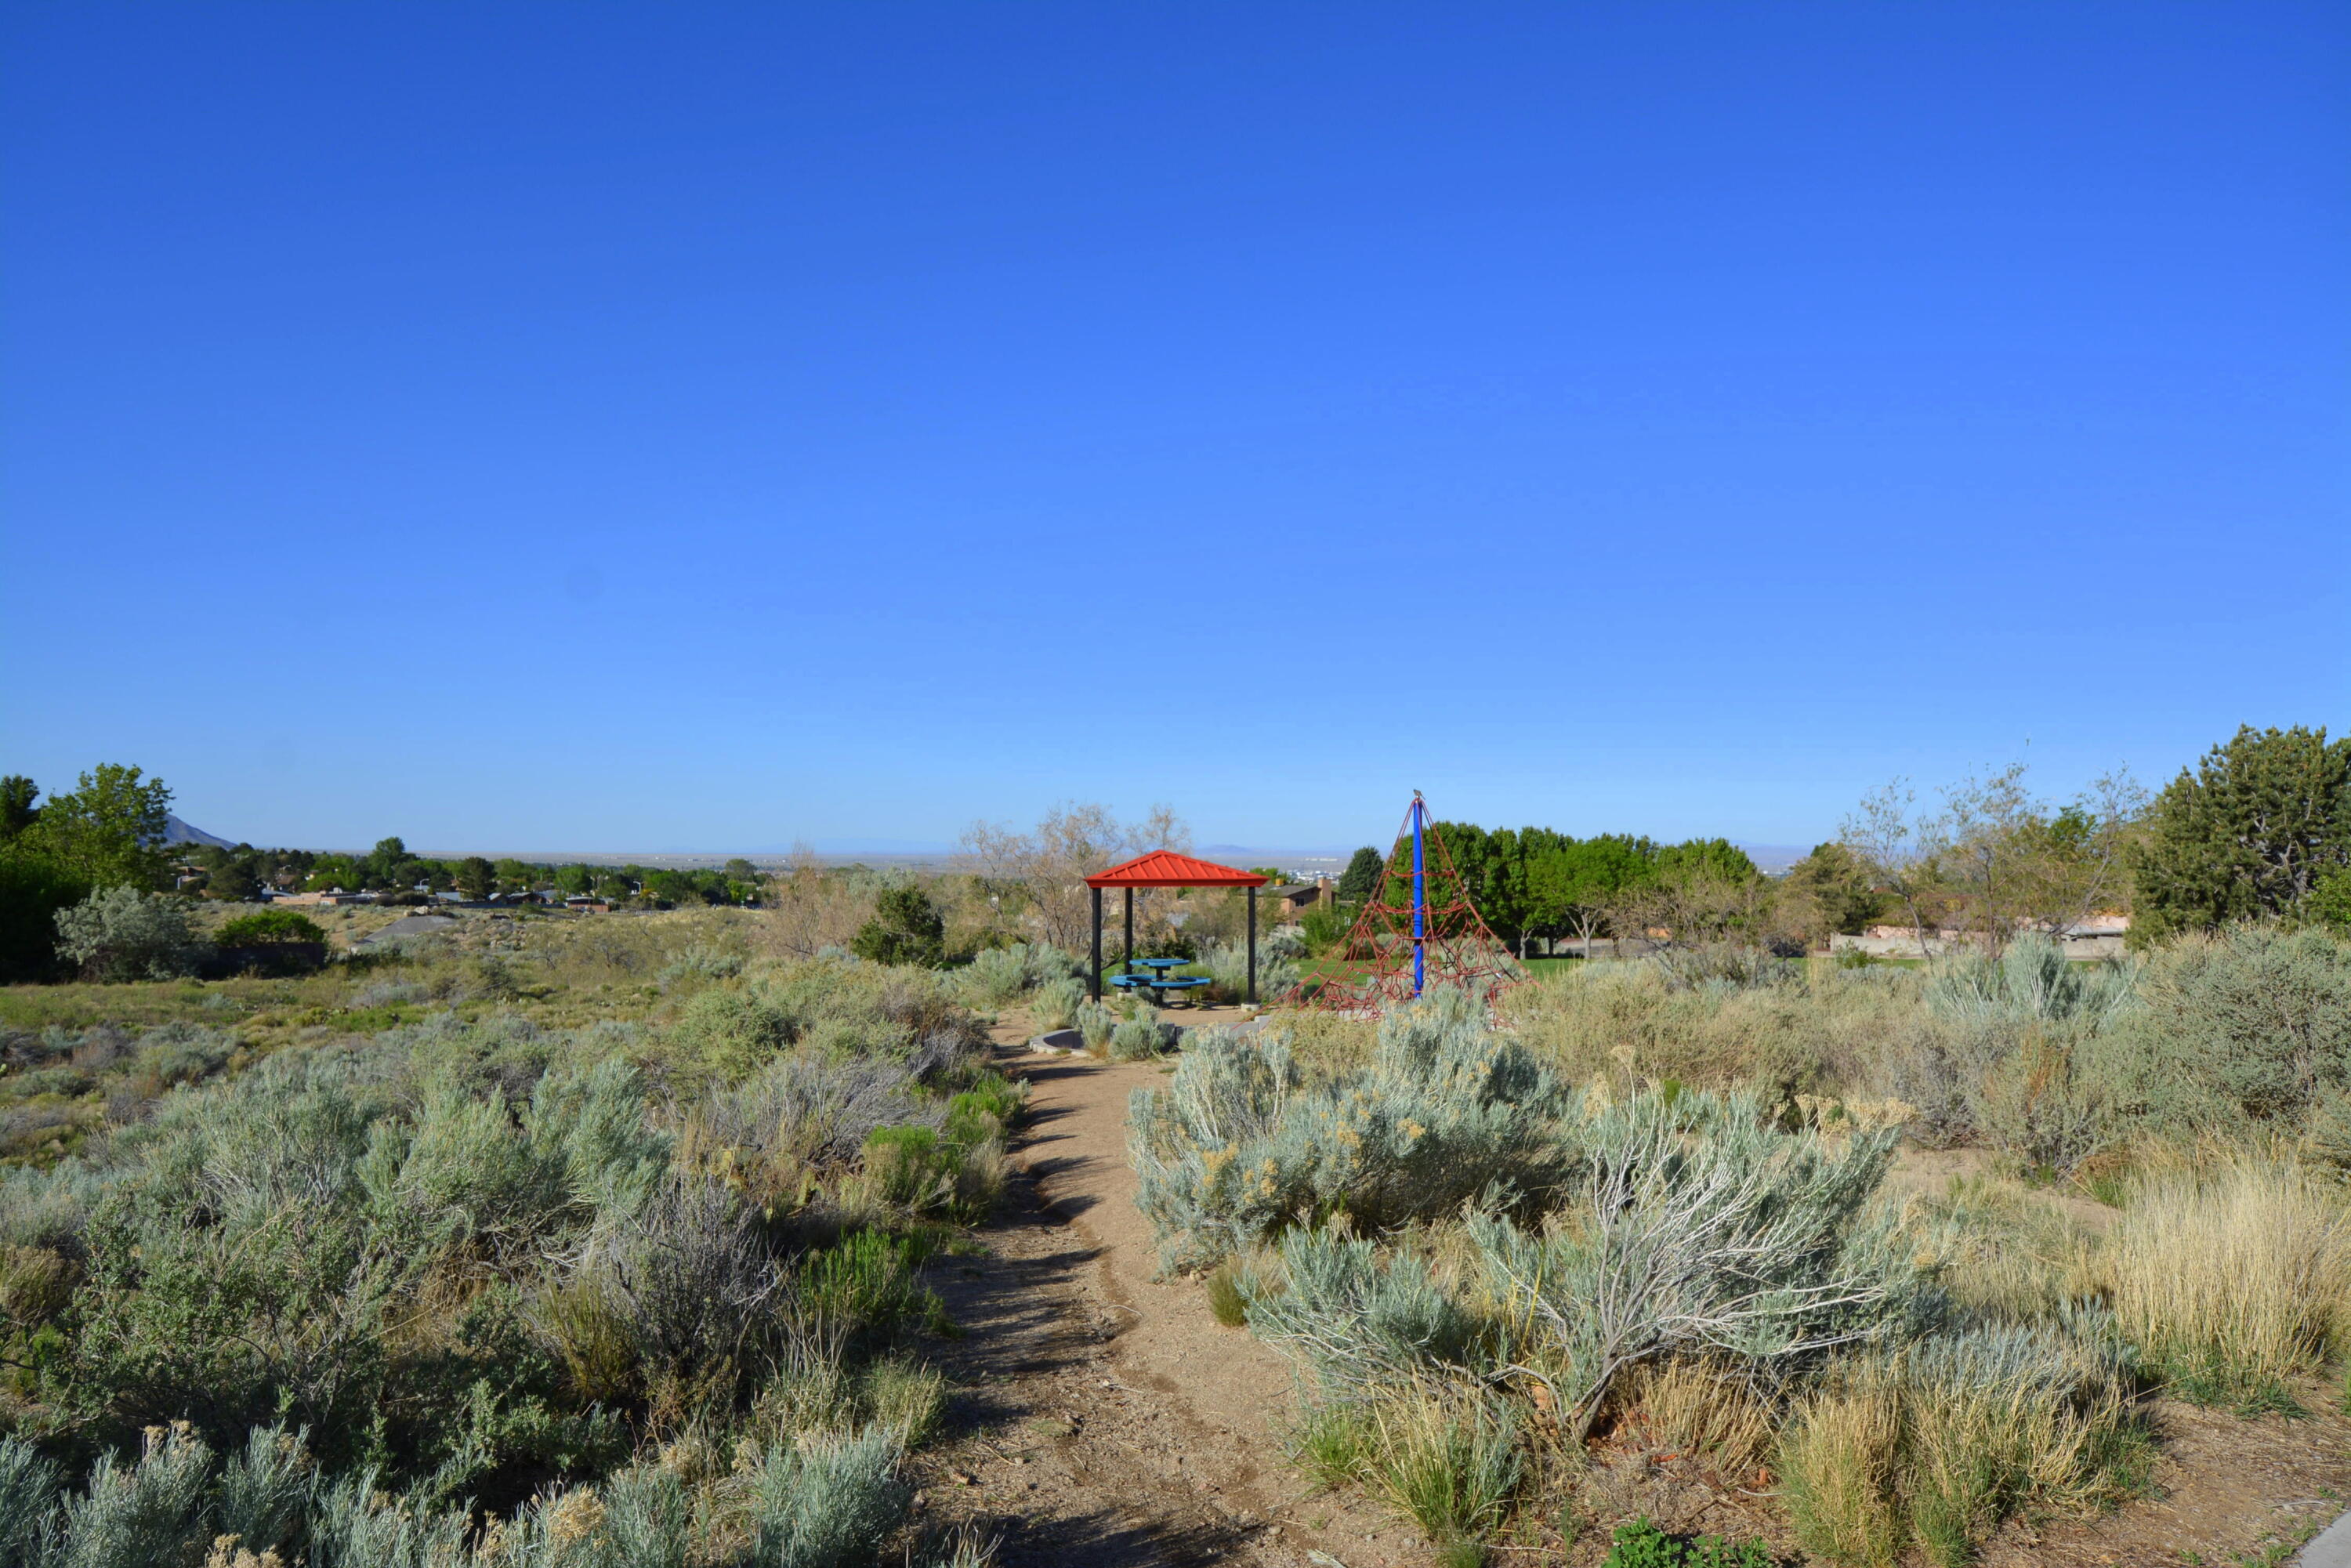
x=1252 y=928
x=1127 y=964
x=1094 y=976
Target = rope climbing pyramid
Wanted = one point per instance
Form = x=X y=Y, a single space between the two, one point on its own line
x=1417 y=931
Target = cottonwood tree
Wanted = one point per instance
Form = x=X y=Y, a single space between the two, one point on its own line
x=1885 y=833
x=1701 y=892
x=108 y=830
x=1044 y=870
x=1575 y=885
x=1997 y=860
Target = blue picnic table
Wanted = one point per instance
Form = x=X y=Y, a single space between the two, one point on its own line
x=1160 y=981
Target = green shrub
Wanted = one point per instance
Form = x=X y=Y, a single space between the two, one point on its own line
x=120 y=934
x=268 y=925
x=1322 y=926
x=911 y=1167
x=983 y=1111
x=867 y=1284
x=734 y=1032
x=906 y=929
x=33 y=893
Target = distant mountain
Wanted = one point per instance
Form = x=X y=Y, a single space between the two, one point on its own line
x=176 y=832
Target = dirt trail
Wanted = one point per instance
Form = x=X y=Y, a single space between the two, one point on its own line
x=1105 y=1418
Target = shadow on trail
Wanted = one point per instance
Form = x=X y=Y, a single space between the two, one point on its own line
x=1111 y=1540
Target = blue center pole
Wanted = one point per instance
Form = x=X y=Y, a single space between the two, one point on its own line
x=1419 y=905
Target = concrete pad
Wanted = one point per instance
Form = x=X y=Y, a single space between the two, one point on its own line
x=2330 y=1548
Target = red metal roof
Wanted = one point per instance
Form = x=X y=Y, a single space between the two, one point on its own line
x=1165 y=868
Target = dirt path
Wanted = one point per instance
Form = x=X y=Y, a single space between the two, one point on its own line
x=1105 y=1418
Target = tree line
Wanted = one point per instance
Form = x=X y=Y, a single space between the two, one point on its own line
x=109 y=832
x=2259 y=829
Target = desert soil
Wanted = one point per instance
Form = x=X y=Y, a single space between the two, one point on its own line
x=1103 y=1416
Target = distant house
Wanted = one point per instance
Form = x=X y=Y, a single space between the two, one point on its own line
x=587 y=905
x=2099 y=936
x=1293 y=899
x=332 y=895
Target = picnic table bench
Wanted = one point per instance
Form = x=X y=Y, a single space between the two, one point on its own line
x=1159 y=982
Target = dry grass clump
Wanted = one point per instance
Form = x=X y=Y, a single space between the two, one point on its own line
x=2005 y=1252
x=1702 y=1407
x=1228 y=1303
x=1838 y=1463
x=1937 y=1442
x=2234 y=1278
x=1444 y=1456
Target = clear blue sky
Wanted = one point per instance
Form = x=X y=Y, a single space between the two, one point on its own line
x=671 y=426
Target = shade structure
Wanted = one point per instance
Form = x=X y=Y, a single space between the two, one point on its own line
x=1165 y=868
